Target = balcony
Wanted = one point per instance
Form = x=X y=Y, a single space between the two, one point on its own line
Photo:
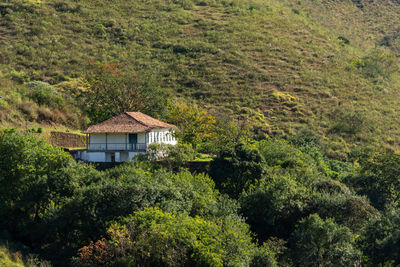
x=117 y=147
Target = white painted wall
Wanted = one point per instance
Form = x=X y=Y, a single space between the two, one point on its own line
x=117 y=141
x=161 y=136
x=96 y=138
x=116 y=138
x=141 y=137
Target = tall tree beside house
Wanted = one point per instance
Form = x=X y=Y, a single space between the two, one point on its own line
x=195 y=124
x=112 y=90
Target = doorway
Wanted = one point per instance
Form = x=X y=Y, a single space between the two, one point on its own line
x=133 y=141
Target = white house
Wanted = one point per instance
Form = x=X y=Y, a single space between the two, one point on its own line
x=122 y=137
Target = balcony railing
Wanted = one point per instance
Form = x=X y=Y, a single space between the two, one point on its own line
x=117 y=147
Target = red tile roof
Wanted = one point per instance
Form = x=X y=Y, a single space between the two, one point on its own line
x=129 y=122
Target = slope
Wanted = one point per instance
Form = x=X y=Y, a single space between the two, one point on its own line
x=279 y=65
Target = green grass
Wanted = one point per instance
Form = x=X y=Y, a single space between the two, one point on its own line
x=277 y=64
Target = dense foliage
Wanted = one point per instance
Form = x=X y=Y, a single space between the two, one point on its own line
x=289 y=209
x=296 y=111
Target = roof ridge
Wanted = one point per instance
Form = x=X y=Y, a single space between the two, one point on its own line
x=142 y=123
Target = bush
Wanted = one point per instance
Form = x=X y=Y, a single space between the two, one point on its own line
x=380 y=241
x=379 y=179
x=349 y=123
x=44 y=94
x=275 y=205
x=29 y=179
x=155 y=238
x=235 y=170
x=279 y=153
x=318 y=242
x=174 y=156
x=121 y=191
x=377 y=66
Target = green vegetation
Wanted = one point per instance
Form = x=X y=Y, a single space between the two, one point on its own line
x=285 y=204
x=278 y=66
x=8 y=259
x=293 y=104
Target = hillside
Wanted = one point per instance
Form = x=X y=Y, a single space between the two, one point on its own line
x=279 y=65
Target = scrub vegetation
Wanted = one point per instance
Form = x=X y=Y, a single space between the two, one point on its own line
x=261 y=203
x=278 y=66
x=292 y=105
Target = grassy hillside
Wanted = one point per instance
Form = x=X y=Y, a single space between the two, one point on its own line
x=279 y=65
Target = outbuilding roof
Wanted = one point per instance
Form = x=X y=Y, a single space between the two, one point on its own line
x=129 y=122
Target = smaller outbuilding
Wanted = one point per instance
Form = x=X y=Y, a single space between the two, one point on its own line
x=122 y=137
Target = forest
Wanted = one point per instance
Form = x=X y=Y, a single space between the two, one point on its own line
x=292 y=106
x=268 y=202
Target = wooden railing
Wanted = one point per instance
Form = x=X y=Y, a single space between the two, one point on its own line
x=117 y=147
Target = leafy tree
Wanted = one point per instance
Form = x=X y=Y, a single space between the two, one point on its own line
x=123 y=190
x=318 y=242
x=30 y=179
x=174 y=156
x=235 y=170
x=379 y=179
x=229 y=134
x=275 y=205
x=155 y=238
x=111 y=92
x=195 y=124
x=380 y=241
x=45 y=94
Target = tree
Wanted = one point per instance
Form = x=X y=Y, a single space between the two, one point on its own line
x=155 y=238
x=318 y=242
x=120 y=192
x=111 y=92
x=195 y=124
x=380 y=241
x=279 y=201
x=235 y=170
x=30 y=179
x=174 y=156
x=379 y=179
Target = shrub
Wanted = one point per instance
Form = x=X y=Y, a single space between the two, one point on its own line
x=380 y=241
x=377 y=66
x=279 y=153
x=349 y=123
x=44 y=94
x=318 y=242
x=235 y=170
x=155 y=238
x=379 y=179
x=29 y=179
x=174 y=156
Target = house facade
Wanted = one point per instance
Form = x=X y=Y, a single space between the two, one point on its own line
x=122 y=137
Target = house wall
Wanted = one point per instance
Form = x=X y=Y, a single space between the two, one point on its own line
x=141 y=138
x=161 y=136
x=105 y=156
x=116 y=138
x=97 y=138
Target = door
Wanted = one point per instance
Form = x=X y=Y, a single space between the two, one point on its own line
x=133 y=141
